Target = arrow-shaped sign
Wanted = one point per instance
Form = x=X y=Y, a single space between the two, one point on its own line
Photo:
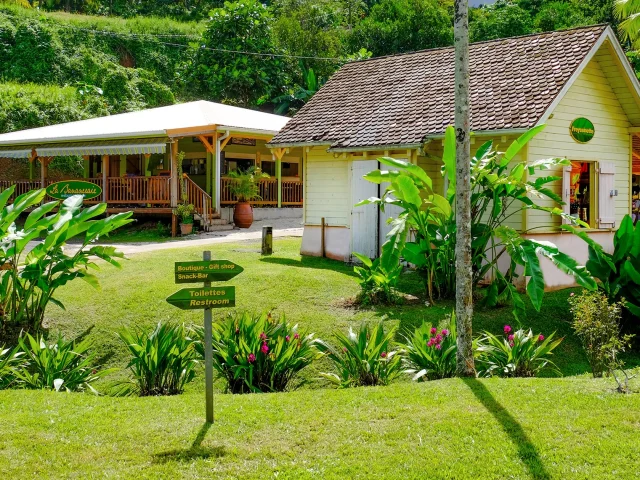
x=206 y=271
x=204 y=297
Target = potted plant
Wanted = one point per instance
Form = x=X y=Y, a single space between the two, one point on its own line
x=244 y=186
x=184 y=211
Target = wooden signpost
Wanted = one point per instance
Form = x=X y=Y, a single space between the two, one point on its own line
x=206 y=298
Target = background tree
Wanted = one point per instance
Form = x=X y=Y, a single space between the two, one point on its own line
x=628 y=11
x=503 y=19
x=464 y=281
x=395 y=26
x=227 y=74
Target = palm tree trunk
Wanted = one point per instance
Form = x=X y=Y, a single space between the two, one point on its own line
x=464 y=286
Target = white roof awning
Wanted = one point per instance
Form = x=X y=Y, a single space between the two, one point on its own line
x=15 y=152
x=120 y=147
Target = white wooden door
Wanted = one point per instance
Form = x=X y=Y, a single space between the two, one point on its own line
x=364 y=219
x=390 y=211
x=606 y=195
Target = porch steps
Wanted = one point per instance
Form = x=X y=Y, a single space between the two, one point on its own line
x=214 y=223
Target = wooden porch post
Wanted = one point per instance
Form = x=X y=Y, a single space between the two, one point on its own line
x=85 y=166
x=174 y=174
x=43 y=171
x=279 y=177
x=105 y=173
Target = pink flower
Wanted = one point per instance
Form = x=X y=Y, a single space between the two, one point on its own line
x=434 y=330
x=383 y=354
x=263 y=336
x=438 y=338
x=438 y=346
x=344 y=349
x=507 y=328
x=445 y=332
x=510 y=338
x=511 y=344
x=265 y=348
x=541 y=338
x=251 y=358
x=287 y=338
x=430 y=342
x=296 y=336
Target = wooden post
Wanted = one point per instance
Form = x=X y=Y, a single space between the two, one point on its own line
x=105 y=173
x=43 y=171
x=30 y=170
x=322 y=247
x=208 y=353
x=279 y=177
x=174 y=174
x=267 y=240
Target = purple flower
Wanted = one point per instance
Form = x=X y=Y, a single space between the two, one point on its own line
x=296 y=336
x=445 y=332
x=507 y=328
x=287 y=338
x=541 y=338
x=263 y=336
x=510 y=338
x=265 y=348
x=438 y=346
x=383 y=354
x=434 y=330
x=251 y=358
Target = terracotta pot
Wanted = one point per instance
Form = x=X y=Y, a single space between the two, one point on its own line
x=243 y=215
x=186 y=228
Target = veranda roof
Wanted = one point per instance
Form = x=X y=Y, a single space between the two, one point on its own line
x=15 y=152
x=118 y=147
x=189 y=117
x=404 y=99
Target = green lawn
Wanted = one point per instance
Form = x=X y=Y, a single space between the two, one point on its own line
x=309 y=291
x=571 y=428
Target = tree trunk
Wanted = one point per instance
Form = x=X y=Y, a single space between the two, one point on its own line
x=464 y=286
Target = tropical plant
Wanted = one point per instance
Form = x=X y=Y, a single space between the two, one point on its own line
x=293 y=101
x=162 y=361
x=618 y=274
x=60 y=366
x=378 y=279
x=499 y=191
x=11 y=359
x=629 y=12
x=258 y=353
x=431 y=354
x=29 y=278
x=184 y=211
x=363 y=359
x=596 y=322
x=517 y=354
x=244 y=183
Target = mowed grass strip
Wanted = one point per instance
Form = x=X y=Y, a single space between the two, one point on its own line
x=448 y=429
x=309 y=291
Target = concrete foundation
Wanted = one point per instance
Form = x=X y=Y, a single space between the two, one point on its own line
x=265 y=213
x=337 y=242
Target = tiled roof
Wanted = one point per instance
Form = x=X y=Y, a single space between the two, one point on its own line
x=401 y=99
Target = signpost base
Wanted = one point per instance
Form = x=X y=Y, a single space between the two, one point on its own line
x=208 y=353
x=267 y=240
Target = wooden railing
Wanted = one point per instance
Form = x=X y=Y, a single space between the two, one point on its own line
x=200 y=199
x=143 y=190
x=22 y=186
x=268 y=191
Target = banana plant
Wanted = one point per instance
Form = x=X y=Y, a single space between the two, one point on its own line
x=618 y=274
x=500 y=189
x=29 y=278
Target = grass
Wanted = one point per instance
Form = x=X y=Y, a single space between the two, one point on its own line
x=140 y=232
x=309 y=291
x=449 y=429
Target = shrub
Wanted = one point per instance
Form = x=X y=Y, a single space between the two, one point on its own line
x=10 y=361
x=258 y=353
x=363 y=359
x=61 y=365
x=429 y=354
x=597 y=324
x=378 y=280
x=29 y=278
x=520 y=354
x=162 y=361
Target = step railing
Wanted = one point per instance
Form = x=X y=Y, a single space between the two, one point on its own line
x=200 y=199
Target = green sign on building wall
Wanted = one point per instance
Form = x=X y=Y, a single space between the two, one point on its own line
x=68 y=188
x=582 y=130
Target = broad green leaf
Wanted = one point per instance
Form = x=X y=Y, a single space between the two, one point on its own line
x=381 y=176
x=410 y=168
x=449 y=159
x=519 y=144
x=407 y=191
x=535 y=285
x=363 y=258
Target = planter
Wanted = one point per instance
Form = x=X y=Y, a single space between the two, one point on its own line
x=186 y=228
x=243 y=215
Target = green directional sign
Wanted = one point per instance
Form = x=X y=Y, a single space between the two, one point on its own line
x=206 y=271
x=203 y=297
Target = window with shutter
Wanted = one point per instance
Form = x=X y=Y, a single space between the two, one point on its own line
x=606 y=195
x=566 y=192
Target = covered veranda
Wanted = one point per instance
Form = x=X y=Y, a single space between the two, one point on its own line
x=134 y=157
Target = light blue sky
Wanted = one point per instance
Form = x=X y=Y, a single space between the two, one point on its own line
x=476 y=3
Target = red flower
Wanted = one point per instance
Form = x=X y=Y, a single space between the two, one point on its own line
x=510 y=338
x=251 y=358
x=541 y=338
x=263 y=336
x=383 y=354
x=434 y=330
x=507 y=328
x=265 y=348
x=296 y=336
x=287 y=338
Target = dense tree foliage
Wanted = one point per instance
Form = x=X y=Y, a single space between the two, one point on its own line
x=251 y=53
